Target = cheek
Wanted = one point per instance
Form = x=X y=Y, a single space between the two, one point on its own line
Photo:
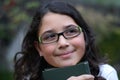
x=79 y=41
x=79 y=44
x=47 y=50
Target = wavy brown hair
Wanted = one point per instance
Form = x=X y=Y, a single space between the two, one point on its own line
x=29 y=65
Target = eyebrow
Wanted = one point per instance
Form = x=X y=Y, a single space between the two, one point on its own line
x=48 y=31
x=65 y=27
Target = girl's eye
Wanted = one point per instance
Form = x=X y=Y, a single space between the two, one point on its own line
x=71 y=32
x=49 y=37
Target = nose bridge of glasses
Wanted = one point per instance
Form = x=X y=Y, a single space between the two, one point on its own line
x=61 y=34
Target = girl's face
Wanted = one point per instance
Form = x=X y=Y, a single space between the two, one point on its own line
x=64 y=52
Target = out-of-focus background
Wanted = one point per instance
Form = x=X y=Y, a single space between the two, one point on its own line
x=15 y=16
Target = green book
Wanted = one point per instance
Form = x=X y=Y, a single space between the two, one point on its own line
x=65 y=72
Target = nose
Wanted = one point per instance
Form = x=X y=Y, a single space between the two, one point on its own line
x=62 y=43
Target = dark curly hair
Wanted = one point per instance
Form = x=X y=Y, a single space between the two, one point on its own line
x=29 y=65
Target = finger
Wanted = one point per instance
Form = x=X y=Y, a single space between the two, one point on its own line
x=86 y=77
x=82 y=77
x=72 y=78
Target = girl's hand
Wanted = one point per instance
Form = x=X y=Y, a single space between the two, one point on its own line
x=82 y=77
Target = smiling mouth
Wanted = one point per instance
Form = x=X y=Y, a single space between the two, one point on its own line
x=65 y=55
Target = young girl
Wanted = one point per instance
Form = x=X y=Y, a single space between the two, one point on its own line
x=59 y=37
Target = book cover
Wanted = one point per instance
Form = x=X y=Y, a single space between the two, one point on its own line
x=65 y=72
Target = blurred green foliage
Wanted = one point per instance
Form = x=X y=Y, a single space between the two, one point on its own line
x=109 y=3
x=6 y=75
x=110 y=46
x=13 y=14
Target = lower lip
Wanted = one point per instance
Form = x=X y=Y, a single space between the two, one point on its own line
x=65 y=56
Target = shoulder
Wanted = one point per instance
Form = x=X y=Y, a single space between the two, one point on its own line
x=106 y=68
x=108 y=72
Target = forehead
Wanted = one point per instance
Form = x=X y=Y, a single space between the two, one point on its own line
x=54 y=21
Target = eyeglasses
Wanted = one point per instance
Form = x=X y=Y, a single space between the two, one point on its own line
x=51 y=37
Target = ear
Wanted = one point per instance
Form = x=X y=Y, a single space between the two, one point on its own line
x=37 y=46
